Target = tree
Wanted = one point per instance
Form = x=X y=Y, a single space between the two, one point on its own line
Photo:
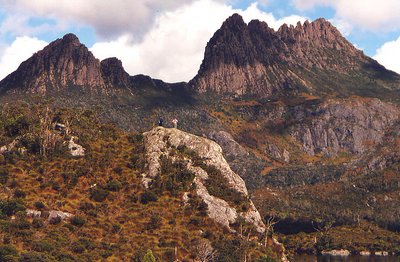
x=204 y=251
x=149 y=257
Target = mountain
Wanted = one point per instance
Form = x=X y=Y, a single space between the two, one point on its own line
x=308 y=122
x=63 y=63
x=254 y=59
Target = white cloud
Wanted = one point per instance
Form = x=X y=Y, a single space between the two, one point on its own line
x=367 y=14
x=388 y=55
x=173 y=48
x=108 y=18
x=20 y=50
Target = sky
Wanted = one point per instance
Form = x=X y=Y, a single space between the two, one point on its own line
x=166 y=38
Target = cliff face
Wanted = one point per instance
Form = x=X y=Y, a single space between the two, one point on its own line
x=63 y=63
x=254 y=59
x=344 y=125
x=160 y=142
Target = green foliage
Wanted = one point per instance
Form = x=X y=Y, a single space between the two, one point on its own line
x=149 y=257
x=147 y=197
x=39 y=205
x=37 y=222
x=174 y=177
x=154 y=222
x=8 y=253
x=98 y=194
x=218 y=185
x=4 y=175
x=78 y=221
x=114 y=186
x=18 y=193
x=10 y=207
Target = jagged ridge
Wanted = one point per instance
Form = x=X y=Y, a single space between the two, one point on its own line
x=254 y=59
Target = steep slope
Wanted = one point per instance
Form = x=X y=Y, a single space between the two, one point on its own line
x=63 y=63
x=253 y=59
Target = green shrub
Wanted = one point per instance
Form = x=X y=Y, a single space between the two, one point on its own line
x=18 y=193
x=8 y=253
x=10 y=207
x=4 y=175
x=78 y=221
x=149 y=257
x=114 y=186
x=98 y=194
x=39 y=205
x=154 y=223
x=37 y=223
x=147 y=197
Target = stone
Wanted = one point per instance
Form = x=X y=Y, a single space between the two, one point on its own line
x=159 y=141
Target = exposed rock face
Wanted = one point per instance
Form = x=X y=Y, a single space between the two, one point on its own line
x=63 y=63
x=254 y=59
x=113 y=73
x=160 y=140
x=344 y=125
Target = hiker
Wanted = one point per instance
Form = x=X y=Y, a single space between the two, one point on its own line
x=175 y=122
x=160 y=121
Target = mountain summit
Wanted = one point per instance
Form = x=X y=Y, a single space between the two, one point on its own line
x=63 y=63
x=253 y=59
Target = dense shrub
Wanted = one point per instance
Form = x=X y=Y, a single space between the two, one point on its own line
x=154 y=222
x=98 y=194
x=37 y=223
x=78 y=221
x=18 y=193
x=8 y=253
x=114 y=186
x=39 y=205
x=10 y=207
x=147 y=197
x=4 y=175
x=218 y=186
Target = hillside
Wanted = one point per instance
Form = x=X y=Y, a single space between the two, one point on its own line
x=90 y=200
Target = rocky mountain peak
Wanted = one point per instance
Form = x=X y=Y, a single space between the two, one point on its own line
x=64 y=63
x=71 y=38
x=114 y=73
x=254 y=59
x=234 y=22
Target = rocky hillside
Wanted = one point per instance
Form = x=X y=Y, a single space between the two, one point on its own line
x=75 y=189
x=253 y=59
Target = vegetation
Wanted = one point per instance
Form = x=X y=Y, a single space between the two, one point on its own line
x=114 y=216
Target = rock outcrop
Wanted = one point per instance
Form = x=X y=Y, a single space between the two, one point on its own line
x=114 y=73
x=160 y=141
x=351 y=125
x=253 y=59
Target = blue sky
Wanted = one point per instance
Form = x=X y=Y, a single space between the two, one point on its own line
x=166 y=38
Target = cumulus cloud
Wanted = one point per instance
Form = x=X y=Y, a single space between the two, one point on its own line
x=368 y=14
x=108 y=18
x=20 y=50
x=388 y=55
x=173 y=48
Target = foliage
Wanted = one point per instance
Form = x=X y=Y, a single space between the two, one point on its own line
x=149 y=257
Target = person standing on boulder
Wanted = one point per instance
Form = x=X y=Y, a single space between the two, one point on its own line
x=160 y=121
x=175 y=122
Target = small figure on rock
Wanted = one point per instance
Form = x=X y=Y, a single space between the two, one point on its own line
x=175 y=122
x=160 y=121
